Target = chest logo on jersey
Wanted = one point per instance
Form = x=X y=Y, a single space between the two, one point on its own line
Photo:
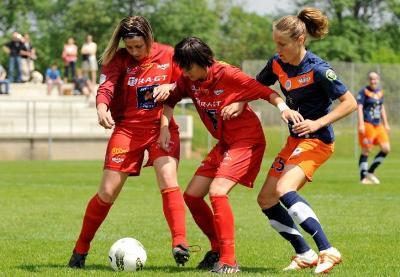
x=218 y=91
x=163 y=66
x=133 y=81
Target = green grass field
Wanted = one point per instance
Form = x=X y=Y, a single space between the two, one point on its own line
x=42 y=204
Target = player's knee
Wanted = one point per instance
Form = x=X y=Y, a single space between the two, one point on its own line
x=267 y=200
x=386 y=149
x=108 y=196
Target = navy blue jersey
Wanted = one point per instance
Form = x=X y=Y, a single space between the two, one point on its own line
x=372 y=101
x=309 y=88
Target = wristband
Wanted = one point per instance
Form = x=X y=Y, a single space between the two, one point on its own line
x=282 y=106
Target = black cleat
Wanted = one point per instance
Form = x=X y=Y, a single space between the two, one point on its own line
x=221 y=268
x=181 y=254
x=209 y=260
x=77 y=260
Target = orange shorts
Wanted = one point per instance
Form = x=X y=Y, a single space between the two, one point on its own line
x=239 y=162
x=126 y=147
x=308 y=154
x=374 y=135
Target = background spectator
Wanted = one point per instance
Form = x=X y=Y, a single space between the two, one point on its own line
x=13 y=49
x=82 y=84
x=3 y=81
x=89 y=61
x=28 y=55
x=53 y=77
x=69 y=56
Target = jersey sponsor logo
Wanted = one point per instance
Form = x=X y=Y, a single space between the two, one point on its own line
x=163 y=66
x=145 y=98
x=208 y=104
x=304 y=80
x=102 y=78
x=118 y=151
x=330 y=75
x=133 y=81
x=218 y=91
x=288 y=84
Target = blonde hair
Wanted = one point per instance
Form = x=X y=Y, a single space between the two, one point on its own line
x=130 y=26
x=309 y=20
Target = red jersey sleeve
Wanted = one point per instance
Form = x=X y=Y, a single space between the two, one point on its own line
x=176 y=72
x=246 y=88
x=110 y=74
x=178 y=93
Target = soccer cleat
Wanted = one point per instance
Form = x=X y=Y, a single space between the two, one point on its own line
x=366 y=181
x=181 y=254
x=327 y=260
x=373 y=178
x=209 y=260
x=221 y=268
x=305 y=260
x=77 y=260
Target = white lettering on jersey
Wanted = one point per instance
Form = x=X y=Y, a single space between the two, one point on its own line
x=205 y=104
x=163 y=66
x=133 y=81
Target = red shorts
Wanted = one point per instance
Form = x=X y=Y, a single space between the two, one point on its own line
x=374 y=135
x=308 y=154
x=239 y=162
x=126 y=147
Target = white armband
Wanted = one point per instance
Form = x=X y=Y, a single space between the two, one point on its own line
x=282 y=106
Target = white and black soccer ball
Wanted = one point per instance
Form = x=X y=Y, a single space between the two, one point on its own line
x=127 y=254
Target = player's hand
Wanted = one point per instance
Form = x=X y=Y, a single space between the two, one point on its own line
x=104 y=116
x=306 y=127
x=164 y=138
x=361 y=129
x=232 y=110
x=387 y=127
x=289 y=115
x=162 y=92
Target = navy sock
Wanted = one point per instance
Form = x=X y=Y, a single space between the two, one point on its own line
x=282 y=222
x=302 y=213
x=363 y=165
x=377 y=161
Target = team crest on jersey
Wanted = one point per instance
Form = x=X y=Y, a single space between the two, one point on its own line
x=163 y=66
x=330 y=75
x=288 y=84
x=218 y=91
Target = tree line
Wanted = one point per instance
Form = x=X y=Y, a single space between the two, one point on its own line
x=360 y=30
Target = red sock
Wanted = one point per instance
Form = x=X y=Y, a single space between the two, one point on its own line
x=174 y=211
x=225 y=226
x=95 y=214
x=204 y=218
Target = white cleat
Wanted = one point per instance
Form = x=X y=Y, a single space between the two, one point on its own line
x=366 y=181
x=373 y=178
x=305 y=260
x=327 y=260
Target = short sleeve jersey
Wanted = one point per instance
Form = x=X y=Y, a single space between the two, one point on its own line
x=372 y=101
x=126 y=86
x=53 y=74
x=309 y=88
x=225 y=84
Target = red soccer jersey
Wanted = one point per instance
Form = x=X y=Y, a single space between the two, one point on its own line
x=126 y=86
x=225 y=84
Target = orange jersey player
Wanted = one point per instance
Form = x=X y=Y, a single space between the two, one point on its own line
x=124 y=100
x=373 y=128
x=310 y=85
x=215 y=88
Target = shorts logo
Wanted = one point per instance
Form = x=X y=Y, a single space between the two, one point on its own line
x=288 y=84
x=118 y=151
x=331 y=75
x=163 y=66
x=117 y=159
x=296 y=151
x=227 y=156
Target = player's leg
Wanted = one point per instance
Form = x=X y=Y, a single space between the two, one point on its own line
x=363 y=165
x=96 y=211
x=382 y=140
x=224 y=225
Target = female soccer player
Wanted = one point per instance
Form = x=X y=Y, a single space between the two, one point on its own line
x=310 y=86
x=125 y=100
x=373 y=128
x=237 y=156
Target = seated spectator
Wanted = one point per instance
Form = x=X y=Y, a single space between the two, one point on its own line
x=82 y=84
x=53 y=77
x=3 y=81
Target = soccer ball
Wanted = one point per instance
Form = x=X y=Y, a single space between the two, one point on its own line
x=127 y=254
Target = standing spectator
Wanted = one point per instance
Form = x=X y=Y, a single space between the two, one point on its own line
x=28 y=55
x=13 y=49
x=82 y=85
x=3 y=81
x=53 y=77
x=89 y=62
x=69 y=56
x=373 y=128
